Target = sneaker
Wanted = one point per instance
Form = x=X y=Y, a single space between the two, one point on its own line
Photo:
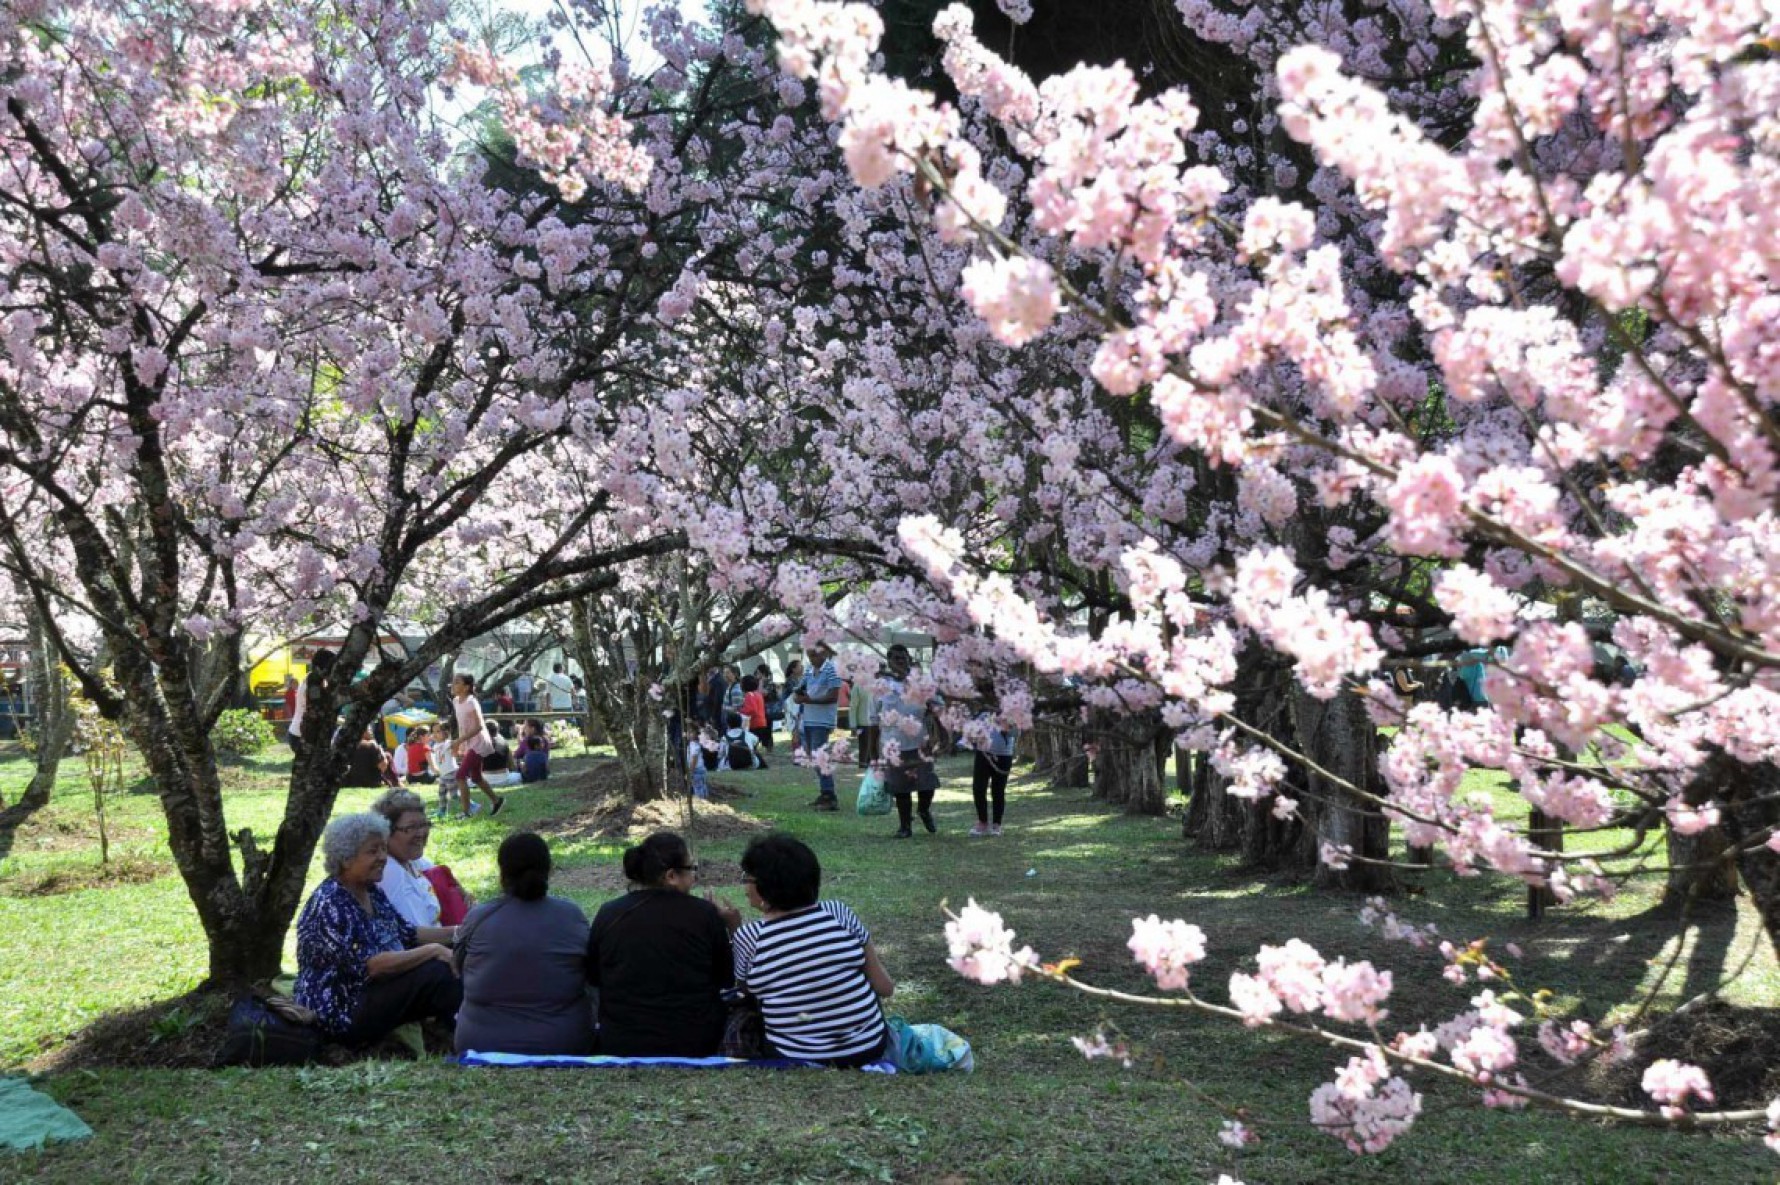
x=995 y=829
x=902 y=833
x=496 y=809
x=826 y=804
x=980 y=830
x=927 y=821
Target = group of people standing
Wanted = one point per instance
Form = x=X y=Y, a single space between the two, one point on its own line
x=559 y=691
x=902 y=737
x=659 y=971
x=895 y=733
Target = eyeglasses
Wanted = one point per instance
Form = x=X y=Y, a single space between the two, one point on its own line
x=687 y=868
x=411 y=828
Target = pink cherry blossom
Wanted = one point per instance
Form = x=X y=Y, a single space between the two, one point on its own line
x=979 y=947
x=1167 y=949
x=1670 y=1083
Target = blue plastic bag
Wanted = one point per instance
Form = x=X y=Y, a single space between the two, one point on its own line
x=927 y=1049
x=873 y=798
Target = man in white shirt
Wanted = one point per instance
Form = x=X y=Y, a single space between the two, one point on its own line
x=557 y=691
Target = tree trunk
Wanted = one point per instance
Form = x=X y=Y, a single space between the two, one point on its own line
x=1337 y=735
x=1700 y=866
x=581 y=634
x=1547 y=834
x=1221 y=821
x=51 y=730
x=246 y=917
x=1126 y=770
x=1061 y=757
x=1750 y=815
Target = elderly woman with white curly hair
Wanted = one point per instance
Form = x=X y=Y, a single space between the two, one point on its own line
x=361 y=966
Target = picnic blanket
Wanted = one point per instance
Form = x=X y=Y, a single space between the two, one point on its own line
x=603 y=1062
x=30 y=1119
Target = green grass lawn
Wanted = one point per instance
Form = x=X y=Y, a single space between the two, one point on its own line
x=1068 y=875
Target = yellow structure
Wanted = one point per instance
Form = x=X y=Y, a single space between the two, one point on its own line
x=268 y=675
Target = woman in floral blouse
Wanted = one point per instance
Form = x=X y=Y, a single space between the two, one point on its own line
x=361 y=966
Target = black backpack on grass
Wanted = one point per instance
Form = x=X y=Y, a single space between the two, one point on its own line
x=741 y=754
x=260 y=1035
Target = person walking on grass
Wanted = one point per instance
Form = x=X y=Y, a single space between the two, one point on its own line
x=910 y=731
x=472 y=745
x=819 y=702
x=988 y=780
x=789 y=708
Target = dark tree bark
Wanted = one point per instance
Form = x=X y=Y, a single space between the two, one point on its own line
x=1221 y=821
x=1060 y=756
x=1127 y=773
x=1750 y=813
x=1337 y=735
x=51 y=730
x=1703 y=867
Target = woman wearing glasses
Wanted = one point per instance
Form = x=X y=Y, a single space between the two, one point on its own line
x=404 y=881
x=661 y=958
x=809 y=962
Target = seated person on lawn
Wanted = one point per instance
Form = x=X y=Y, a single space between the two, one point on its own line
x=409 y=879
x=661 y=958
x=363 y=968
x=533 y=753
x=809 y=962
x=522 y=961
x=738 y=749
x=367 y=766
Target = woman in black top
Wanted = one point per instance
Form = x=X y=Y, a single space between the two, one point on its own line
x=660 y=958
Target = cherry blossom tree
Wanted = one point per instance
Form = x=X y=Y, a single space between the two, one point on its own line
x=277 y=357
x=1511 y=346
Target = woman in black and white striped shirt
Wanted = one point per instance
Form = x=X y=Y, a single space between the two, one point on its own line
x=810 y=963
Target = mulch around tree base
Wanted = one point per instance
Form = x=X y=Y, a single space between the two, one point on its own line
x=186 y=1033
x=122 y=870
x=182 y=1033
x=611 y=814
x=1739 y=1048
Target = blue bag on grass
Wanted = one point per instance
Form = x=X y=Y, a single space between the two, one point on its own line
x=927 y=1049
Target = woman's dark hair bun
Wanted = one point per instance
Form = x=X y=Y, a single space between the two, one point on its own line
x=648 y=862
x=524 y=860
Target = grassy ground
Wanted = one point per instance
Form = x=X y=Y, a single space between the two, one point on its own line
x=1068 y=875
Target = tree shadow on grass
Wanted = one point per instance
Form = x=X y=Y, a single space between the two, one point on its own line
x=1607 y=959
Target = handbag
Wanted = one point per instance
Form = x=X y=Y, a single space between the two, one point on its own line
x=744 y=1030
x=454 y=903
x=874 y=799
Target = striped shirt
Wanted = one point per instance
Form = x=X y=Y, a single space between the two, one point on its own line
x=808 y=971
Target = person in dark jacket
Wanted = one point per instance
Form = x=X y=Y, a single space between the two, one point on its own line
x=661 y=958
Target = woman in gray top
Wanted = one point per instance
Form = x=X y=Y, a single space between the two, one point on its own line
x=522 y=958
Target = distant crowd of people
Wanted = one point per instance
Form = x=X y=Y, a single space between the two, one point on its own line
x=724 y=721
x=894 y=733
x=459 y=753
